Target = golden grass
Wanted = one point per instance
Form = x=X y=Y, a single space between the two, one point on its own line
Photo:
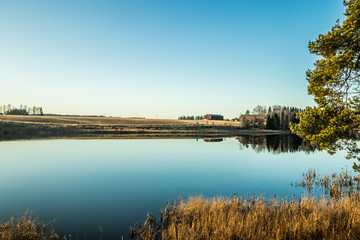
x=110 y=121
x=329 y=217
x=26 y=228
x=31 y=127
x=334 y=216
x=257 y=218
x=334 y=186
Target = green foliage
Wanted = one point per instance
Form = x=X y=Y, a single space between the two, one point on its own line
x=273 y=121
x=22 y=110
x=245 y=123
x=334 y=83
x=190 y=118
x=325 y=126
x=17 y=111
x=277 y=117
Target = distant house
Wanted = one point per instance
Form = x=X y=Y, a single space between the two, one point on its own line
x=214 y=117
x=253 y=117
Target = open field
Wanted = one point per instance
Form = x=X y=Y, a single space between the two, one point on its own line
x=109 y=121
x=17 y=127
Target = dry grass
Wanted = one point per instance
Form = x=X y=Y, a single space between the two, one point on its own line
x=334 y=186
x=257 y=218
x=110 y=121
x=29 y=127
x=26 y=228
x=328 y=217
x=336 y=215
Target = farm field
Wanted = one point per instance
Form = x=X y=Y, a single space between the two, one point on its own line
x=109 y=121
x=17 y=127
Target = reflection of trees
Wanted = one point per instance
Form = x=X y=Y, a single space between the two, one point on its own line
x=276 y=143
x=213 y=139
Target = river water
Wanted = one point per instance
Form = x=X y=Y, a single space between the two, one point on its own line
x=98 y=188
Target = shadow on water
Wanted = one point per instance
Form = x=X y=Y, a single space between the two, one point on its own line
x=275 y=143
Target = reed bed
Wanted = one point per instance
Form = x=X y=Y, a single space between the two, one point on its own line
x=333 y=186
x=27 y=228
x=335 y=215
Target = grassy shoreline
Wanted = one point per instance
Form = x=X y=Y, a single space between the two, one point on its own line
x=29 y=127
x=28 y=228
x=335 y=215
x=255 y=218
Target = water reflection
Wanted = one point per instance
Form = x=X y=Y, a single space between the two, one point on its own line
x=275 y=143
x=87 y=184
x=213 y=139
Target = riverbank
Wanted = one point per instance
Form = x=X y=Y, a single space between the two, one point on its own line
x=28 y=127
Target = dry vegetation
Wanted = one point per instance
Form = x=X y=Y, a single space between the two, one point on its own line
x=12 y=127
x=26 y=228
x=109 y=120
x=333 y=216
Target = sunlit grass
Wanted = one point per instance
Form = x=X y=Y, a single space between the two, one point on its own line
x=27 y=228
x=326 y=217
x=334 y=215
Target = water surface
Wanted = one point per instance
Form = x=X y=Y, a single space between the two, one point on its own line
x=88 y=185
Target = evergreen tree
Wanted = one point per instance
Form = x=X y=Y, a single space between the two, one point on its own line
x=245 y=123
x=269 y=122
x=273 y=121
x=334 y=83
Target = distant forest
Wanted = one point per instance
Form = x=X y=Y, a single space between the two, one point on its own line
x=190 y=118
x=22 y=110
x=275 y=117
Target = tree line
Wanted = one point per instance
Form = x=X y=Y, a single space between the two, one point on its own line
x=8 y=109
x=190 y=118
x=275 y=117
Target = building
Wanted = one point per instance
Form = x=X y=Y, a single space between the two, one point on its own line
x=253 y=119
x=214 y=117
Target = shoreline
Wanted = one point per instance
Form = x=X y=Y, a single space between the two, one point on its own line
x=44 y=127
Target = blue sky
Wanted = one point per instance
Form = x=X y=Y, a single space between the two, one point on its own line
x=159 y=59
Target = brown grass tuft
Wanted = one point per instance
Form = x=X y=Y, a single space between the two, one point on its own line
x=27 y=228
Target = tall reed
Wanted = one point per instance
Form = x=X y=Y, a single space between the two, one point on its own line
x=333 y=216
x=27 y=228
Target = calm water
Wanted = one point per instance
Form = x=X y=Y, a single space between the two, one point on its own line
x=109 y=184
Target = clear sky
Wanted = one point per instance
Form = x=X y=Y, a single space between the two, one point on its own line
x=152 y=58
